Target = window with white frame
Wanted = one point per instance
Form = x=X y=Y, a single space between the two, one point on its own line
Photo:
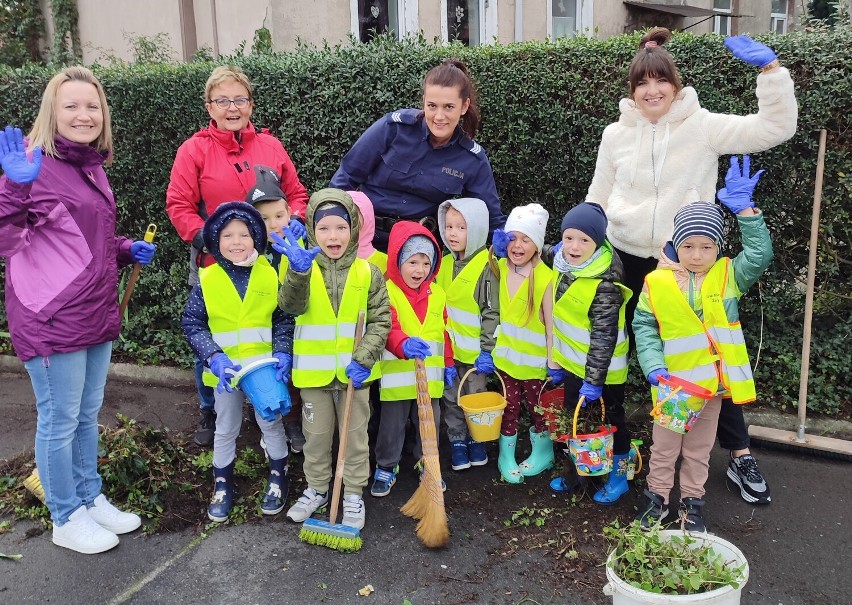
x=565 y=18
x=371 y=17
x=778 y=23
x=722 y=21
x=465 y=20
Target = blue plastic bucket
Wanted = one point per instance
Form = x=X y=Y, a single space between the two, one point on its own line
x=268 y=396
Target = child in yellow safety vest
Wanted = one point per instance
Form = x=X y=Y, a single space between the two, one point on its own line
x=326 y=288
x=232 y=319
x=418 y=331
x=267 y=198
x=590 y=342
x=473 y=313
x=687 y=326
x=524 y=337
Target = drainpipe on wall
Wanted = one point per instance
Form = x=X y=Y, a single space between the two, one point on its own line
x=215 y=28
x=519 y=20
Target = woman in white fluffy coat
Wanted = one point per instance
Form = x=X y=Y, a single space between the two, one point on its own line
x=662 y=154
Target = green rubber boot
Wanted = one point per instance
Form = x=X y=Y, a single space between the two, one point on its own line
x=541 y=458
x=509 y=469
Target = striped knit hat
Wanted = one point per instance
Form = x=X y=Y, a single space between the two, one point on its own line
x=698 y=218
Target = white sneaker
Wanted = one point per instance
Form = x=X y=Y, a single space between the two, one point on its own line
x=81 y=534
x=109 y=517
x=354 y=513
x=307 y=503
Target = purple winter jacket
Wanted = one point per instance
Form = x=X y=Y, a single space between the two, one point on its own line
x=58 y=234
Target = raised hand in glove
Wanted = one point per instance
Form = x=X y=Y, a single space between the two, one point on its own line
x=450 y=375
x=655 y=375
x=739 y=187
x=297 y=228
x=142 y=252
x=557 y=375
x=282 y=368
x=500 y=243
x=224 y=369
x=300 y=259
x=590 y=391
x=13 y=157
x=415 y=348
x=750 y=51
x=484 y=364
x=357 y=373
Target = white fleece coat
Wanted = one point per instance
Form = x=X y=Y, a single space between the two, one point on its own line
x=646 y=172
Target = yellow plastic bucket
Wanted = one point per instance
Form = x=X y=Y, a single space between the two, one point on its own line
x=483 y=411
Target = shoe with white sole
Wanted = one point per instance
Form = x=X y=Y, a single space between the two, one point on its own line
x=744 y=472
x=354 y=513
x=81 y=534
x=110 y=518
x=307 y=504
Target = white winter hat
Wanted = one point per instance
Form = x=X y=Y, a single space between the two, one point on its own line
x=531 y=220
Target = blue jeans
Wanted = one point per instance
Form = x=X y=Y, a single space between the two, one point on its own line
x=69 y=391
x=206 y=396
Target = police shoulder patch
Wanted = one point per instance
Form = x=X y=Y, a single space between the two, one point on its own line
x=471 y=145
x=404 y=116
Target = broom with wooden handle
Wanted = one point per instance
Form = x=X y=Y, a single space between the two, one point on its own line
x=427 y=503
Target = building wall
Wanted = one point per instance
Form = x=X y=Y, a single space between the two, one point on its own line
x=312 y=22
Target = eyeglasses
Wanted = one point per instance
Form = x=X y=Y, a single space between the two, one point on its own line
x=224 y=103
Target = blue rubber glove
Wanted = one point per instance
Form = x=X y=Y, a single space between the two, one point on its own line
x=142 y=252
x=500 y=243
x=357 y=373
x=13 y=157
x=739 y=187
x=450 y=375
x=415 y=348
x=283 y=367
x=750 y=51
x=655 y=375
x=557 y=249
x=557 y=375
x=297 y=229
x=300 y=259
x=484 y=364
x=590 y=391
x=224 y=369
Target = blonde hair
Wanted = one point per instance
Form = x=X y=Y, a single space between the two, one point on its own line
x=535 y=260
x=222 y=74
x=44 y=128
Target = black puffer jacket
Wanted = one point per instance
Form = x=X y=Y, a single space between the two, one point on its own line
x=603 y=315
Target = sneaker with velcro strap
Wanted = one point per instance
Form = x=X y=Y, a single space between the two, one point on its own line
x=308 y=503
x=354 y=511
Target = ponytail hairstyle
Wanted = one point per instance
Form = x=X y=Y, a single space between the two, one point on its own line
x=452 y=73
x=653 y=60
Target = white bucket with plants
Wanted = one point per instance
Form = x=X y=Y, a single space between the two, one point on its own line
x=656 y=567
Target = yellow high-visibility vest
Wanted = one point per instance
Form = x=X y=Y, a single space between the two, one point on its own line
x=709 y=352
x=398 y=381
x=323 y=341
x=521 y=349
x=572 y=327
x=464 y=323
x=242 y=327
x=379 y=259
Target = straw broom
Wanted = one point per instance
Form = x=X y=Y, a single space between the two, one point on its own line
x=427 y=503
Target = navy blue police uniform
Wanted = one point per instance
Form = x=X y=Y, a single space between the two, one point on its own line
x=406 y=178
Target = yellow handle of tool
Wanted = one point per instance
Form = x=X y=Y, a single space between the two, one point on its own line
x=150 y=232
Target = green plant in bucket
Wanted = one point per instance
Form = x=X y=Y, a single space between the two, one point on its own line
x=677 y=565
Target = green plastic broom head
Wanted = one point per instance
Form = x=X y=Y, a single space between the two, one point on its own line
x=337 y=536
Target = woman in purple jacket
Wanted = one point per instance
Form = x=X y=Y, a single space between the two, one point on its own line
x=57 y=231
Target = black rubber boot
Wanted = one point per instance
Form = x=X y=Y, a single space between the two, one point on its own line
x=655 y=511
x=691 y=514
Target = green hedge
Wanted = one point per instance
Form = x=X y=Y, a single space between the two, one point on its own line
x=544 y=106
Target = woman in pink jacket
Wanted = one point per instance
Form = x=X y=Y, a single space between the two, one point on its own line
x=57 y=232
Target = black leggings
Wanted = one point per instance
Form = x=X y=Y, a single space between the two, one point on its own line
x=731 y=431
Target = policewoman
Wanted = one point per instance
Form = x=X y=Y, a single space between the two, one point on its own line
x=411 y=160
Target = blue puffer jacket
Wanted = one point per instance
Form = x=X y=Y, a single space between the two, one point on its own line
x=63 y=256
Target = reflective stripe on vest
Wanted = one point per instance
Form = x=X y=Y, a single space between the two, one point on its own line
x=572 y=327
x=521 y=350
x=323 y=341
x=702 y=351
x=398 y=380
x=464 y=322
x=242 y=327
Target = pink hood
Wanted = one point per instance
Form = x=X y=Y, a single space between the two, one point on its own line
x=368 y=225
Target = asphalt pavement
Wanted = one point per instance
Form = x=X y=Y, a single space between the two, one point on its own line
x=798 y=548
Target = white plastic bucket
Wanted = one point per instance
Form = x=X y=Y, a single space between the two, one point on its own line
x=623 y=593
